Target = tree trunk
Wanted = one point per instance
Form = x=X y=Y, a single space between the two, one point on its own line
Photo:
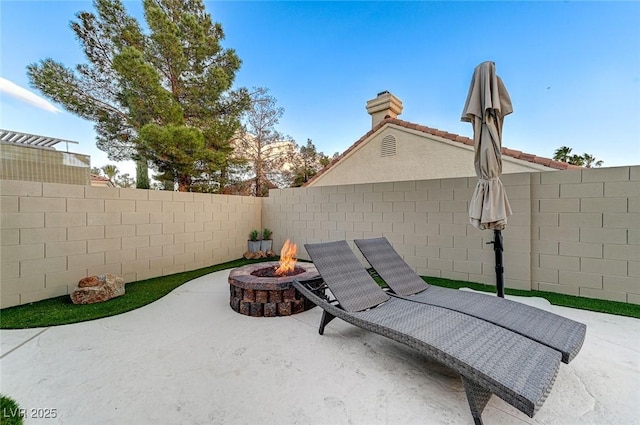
x=184 y=182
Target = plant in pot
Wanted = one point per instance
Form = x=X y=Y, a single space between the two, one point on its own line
x=266 y=242
x=254 y=243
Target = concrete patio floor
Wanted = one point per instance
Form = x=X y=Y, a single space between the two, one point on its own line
x=189 y=359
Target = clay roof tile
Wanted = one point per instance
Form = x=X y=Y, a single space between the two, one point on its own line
x=541 y=160
x=558 y=165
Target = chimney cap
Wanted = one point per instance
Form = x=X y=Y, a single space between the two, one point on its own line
x=384 y=105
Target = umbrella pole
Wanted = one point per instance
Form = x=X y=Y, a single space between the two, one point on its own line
x=497 y=249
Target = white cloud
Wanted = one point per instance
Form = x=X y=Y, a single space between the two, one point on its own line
x=24 y=95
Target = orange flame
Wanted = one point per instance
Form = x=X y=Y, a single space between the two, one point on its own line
x=287 y=260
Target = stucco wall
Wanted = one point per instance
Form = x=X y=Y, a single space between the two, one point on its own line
x=52 y=235
x=418 y=157
x=573 y=232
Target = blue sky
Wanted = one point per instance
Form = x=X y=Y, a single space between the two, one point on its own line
x=572 y=68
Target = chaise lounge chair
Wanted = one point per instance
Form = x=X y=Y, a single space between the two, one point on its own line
x=489 y=358
x=552 y=330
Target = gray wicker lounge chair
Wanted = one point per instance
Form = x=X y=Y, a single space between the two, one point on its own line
x=489 y=358
x=552 y=330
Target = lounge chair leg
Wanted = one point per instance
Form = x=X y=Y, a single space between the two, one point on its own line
x=478 y=397
x=326 y=318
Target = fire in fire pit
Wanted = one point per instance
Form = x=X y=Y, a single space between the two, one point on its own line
x=286 y=266
x=287 y=259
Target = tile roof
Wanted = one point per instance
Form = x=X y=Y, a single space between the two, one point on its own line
x=96 y=178
x=100 y=181
x=547 y=162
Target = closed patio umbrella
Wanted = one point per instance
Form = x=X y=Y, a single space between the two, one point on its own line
x=487 y=104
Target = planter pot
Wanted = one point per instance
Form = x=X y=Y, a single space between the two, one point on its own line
x=254 y=246
x=265 y=245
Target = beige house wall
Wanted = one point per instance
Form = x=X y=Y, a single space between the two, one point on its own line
x=418 y=157
x=52 y=235
x=573 y=232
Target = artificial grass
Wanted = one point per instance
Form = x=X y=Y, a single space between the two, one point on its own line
x=61 y=311
x=591 y=304
x=10 y=413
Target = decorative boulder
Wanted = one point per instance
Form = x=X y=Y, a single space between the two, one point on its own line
x=96 y=289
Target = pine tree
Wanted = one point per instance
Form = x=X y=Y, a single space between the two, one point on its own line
x=177 y=75
x=307 y=164
x=142 y=175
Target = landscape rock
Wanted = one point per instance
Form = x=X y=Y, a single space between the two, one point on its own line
x=259 y=254
x=95 y=289
x=89 y=281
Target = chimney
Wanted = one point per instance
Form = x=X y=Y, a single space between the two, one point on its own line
x=384 y=104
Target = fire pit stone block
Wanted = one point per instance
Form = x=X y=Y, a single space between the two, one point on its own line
x=267 y=296
x=284 y=309
x=270 y=310
x=298 y=306
x=275 y=296
x=249 y=295
x=289 y=294
x=262 y=296
x=256 y=310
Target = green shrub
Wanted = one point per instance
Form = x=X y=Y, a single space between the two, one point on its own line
x=10 y=412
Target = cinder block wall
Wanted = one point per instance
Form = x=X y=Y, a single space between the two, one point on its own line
x=573 y=232
x=586 y=233
x=427 y=221
x=52 y=235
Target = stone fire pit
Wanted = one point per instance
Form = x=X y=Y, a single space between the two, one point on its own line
x=258 y=296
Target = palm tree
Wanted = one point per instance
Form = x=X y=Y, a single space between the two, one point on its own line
x=590 y=161
x=111 y=171
x=562 y=154
x=576 y=160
